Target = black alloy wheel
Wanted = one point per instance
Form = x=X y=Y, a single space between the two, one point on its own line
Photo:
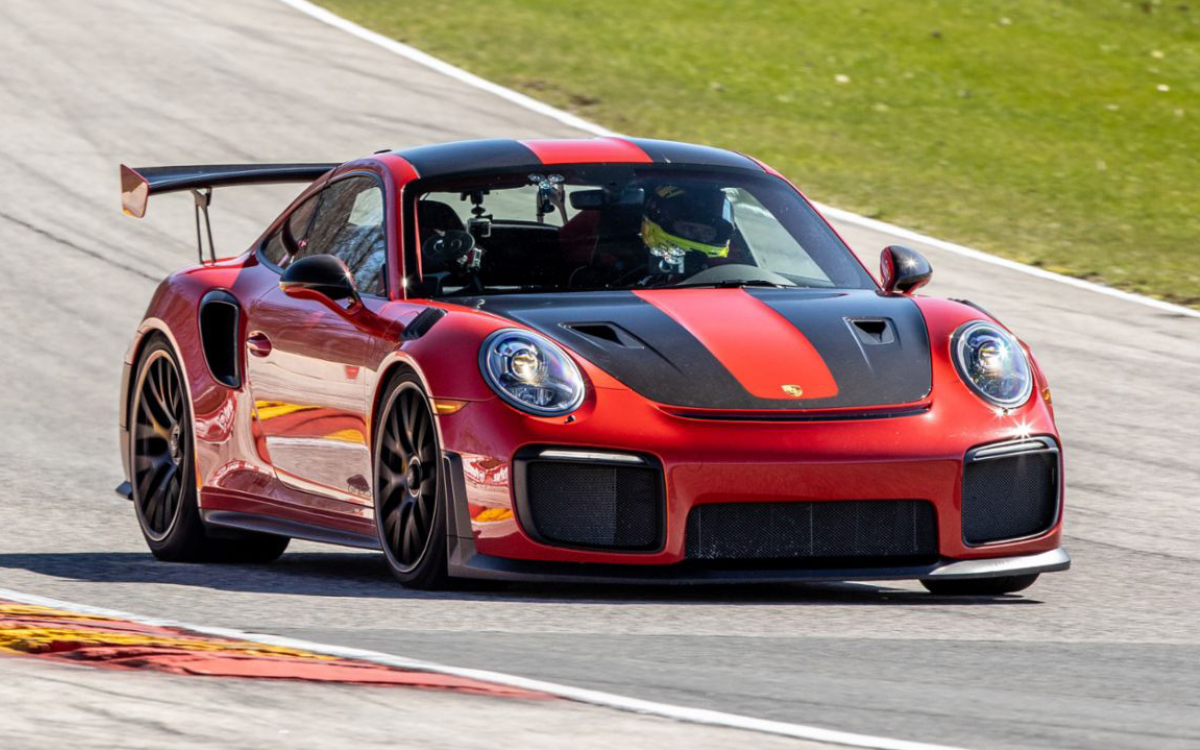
x=163 y=468
x=409 y=513
x=160 y=445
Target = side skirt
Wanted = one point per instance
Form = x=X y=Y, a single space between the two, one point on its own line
x=230 y=519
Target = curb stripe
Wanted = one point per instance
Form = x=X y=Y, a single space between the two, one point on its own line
x=56 y=633
x=580 y=695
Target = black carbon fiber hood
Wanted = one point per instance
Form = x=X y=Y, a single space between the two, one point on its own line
x=876 y=347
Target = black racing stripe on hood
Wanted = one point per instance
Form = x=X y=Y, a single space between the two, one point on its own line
x=660 y=359
x=896 y=370
x=442 y=159
x=670 y=152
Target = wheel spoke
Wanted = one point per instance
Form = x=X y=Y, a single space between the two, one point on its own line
x=390 y=481
x=391 y=525
x=420 y=514
x=175 y=489
x=154 y=385
x=422 y=424
x=412 y=539
x=398 y=531
x=155 y=423
x=151 y=509
x=176 y=398
x=143 y=431
x=150 y=476
x=391 y=443
x=395 y=422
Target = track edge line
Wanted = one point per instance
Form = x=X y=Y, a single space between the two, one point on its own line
x=453 y=71
x=579 y=695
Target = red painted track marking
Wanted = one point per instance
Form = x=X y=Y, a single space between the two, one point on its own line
x=756 y=344
x=51 y=633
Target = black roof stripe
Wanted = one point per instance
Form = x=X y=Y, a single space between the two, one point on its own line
x=671 y=152
x=442 y=159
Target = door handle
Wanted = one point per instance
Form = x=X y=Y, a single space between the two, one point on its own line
x=259 y=344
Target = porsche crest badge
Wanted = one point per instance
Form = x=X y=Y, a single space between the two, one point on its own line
x=794 y=391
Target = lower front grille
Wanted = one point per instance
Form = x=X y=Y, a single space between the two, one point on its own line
x=805 y=529
x=1009 y=491
x=592 y=505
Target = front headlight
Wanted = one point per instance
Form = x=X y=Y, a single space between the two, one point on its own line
x=531 y=373
x=993 y=364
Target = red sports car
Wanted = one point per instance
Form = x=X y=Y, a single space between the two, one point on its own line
x=604 y=360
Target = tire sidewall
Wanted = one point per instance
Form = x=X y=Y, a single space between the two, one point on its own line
x=186 y=530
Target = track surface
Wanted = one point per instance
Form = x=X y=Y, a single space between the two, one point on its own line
x=1107 y=655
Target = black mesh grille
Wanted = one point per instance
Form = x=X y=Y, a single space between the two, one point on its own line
x=1008 y=498
x=593 y=505
x=802 y=529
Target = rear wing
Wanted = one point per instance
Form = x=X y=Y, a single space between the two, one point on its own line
x=137 y=185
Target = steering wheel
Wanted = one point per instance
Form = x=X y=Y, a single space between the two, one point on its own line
x=448 y=247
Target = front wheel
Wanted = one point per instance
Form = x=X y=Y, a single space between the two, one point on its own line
x=163 y=481
x=979 y=586
x=409 y=512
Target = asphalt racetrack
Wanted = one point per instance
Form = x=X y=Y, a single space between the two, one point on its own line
x=1104 y=656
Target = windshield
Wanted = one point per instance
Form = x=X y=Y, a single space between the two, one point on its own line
x=583 y=228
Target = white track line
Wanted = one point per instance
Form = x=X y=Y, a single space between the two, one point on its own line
x=969 y=252
x=579 y=695
x=533 y=105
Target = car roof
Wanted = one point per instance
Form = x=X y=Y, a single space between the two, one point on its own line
x=461 y=157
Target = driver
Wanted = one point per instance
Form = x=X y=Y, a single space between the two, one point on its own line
x=685 y=227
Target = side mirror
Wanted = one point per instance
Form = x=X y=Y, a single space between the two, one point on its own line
x=903 y=270
x=321 y=277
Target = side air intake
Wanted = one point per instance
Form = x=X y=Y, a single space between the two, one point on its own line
x=1010 y=490
x=590 y=500
x=219 y=323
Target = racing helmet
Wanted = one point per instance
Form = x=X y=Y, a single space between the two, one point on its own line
x=682 y=218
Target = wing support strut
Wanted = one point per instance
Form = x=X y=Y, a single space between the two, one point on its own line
x=203 y=198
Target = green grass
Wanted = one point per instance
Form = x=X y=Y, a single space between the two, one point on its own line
x=1034 y=129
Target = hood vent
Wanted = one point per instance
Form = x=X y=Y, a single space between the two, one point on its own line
x=872 y=331
x=607 y=333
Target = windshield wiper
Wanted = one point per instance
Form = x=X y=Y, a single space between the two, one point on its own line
x=730 y=284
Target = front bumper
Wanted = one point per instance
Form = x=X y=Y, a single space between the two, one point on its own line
x=920 y=457
x=466 y=560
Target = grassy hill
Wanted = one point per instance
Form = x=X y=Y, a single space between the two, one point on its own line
x=1064 y=133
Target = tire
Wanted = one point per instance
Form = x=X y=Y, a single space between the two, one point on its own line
x=979 y=586
x=410 y=512
x=162 y=463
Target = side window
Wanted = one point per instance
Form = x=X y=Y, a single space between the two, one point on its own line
x=351 y=225
x=291 y=239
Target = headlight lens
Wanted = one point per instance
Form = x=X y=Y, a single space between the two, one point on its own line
x=531 y=373
x=993 y=364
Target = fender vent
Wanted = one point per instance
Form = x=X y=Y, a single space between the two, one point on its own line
x=420 y=325
x=218 y=320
